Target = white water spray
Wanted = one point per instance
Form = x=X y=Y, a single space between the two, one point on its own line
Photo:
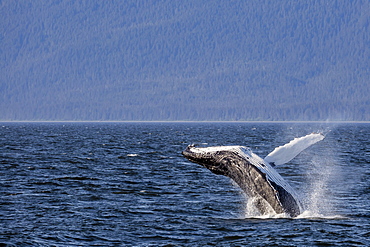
x=250 y=211
x=317 y=198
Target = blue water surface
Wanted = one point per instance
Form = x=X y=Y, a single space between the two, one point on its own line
x=127 y=184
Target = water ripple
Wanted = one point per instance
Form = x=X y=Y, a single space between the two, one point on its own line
x=126 y=184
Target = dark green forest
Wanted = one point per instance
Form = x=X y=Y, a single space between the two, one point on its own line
x=185 y=60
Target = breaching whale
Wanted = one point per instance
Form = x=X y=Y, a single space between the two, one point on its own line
x=254 y=175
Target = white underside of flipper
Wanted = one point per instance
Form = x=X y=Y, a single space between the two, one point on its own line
x=286 y=153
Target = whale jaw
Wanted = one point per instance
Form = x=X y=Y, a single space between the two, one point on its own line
x=210 y=159
x=257 y=179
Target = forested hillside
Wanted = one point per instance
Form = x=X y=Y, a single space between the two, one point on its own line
x=185 y=60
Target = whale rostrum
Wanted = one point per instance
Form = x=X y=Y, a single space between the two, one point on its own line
x=254 y=175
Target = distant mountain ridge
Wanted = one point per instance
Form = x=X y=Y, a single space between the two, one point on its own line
x=185 y=60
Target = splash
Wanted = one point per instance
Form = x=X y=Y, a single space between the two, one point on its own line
x=317 y=193
x=318 y=202
x=251 y=212
x=319 y=197
x=315 y=215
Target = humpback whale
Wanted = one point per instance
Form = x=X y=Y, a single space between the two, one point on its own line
x=271 y=194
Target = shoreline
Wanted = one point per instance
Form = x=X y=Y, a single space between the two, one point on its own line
x=174 y=121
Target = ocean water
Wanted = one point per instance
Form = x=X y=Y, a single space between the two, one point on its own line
x=127 y=184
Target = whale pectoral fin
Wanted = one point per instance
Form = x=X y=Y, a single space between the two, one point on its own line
x=286 y=153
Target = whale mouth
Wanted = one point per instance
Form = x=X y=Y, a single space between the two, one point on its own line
x=202 y=150
x=200 y=154
x=214 y=158
x=194 y=152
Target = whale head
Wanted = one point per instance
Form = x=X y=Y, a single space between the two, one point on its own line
x=217 y=159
